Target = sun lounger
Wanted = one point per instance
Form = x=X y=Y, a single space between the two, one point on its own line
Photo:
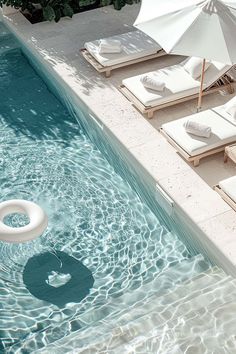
x=227 y=190
x=136 y=47
x=180 y=86
x=192 y=147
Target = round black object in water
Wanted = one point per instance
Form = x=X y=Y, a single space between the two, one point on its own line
x=38 y=268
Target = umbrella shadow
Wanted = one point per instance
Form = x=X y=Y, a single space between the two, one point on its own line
x=28 y=107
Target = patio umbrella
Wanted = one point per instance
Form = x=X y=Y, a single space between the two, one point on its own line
x=201 y=28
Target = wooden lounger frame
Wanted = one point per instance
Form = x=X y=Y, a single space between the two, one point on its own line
x=225 y=82
x=108 y=69
x=225 y=197
x=194 y=159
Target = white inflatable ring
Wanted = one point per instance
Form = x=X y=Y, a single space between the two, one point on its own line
x=37 y=225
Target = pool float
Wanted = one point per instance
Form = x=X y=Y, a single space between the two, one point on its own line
x=37 y=225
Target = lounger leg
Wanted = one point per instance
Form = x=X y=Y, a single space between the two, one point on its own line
x=150 y=114
x=196 y=162
x=230 y=89
x=225 y=157
x=108 y=73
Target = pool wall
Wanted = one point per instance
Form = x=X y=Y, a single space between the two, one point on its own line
x=124 y=162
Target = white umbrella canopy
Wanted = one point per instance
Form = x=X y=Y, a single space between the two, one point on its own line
x=201 y=28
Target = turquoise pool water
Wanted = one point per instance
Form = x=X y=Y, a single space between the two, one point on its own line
x=103 y=245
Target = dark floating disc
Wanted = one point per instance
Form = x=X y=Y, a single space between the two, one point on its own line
x=38 y=268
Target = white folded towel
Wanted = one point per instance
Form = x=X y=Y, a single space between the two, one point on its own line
x=198 y=129
x=152 y=83
x=107 y=46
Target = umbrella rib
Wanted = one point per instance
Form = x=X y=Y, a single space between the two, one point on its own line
x=223 y=35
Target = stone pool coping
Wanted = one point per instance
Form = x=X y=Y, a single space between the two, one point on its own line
x=58 y=45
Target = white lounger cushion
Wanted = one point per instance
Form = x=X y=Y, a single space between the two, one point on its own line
x=222 y=131
x=230 y=108
x=134 y=44
x=229 y=187
x=178 y=83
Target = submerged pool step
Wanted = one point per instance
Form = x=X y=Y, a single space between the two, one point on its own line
x=216 y=290
x=177 y=337
x=166 y=306
x=205 y=305
x=165 y=281
x=203 y=331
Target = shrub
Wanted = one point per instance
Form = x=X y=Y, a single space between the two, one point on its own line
x=49 y=10
x=118 y=4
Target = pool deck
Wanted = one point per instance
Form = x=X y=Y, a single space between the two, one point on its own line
x=189 y=187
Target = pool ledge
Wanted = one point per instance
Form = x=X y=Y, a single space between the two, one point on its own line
x=58 y=45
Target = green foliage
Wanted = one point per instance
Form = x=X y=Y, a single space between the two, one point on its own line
x=118 y=4
x=49 y=13
x=51 y=9
x=55 y=9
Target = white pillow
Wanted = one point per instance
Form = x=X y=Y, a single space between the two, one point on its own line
x=194 y=66
x=230 y=107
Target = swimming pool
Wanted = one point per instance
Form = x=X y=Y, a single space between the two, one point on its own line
x=101 y=235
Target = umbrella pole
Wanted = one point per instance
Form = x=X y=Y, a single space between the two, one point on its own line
x=201 y=86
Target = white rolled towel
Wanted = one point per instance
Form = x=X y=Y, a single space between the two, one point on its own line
x=108 y=46
x=197 y=128
x=152 y=83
